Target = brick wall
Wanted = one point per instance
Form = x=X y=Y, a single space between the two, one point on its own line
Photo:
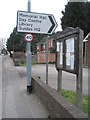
x=19 y=55
x=42 y=57
x=57 y=105
x=34 y=58
x=51 y=57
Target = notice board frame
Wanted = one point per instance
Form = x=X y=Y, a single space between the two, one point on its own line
x=77 y=34
x=68 y=33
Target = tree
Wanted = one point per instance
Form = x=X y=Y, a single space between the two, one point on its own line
x=17 y=42
x=4 y=51
x=77 y=14
x=8 y=44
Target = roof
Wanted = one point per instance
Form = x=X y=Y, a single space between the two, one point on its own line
x=43 y=40
x=53 y=36
x=87 y=37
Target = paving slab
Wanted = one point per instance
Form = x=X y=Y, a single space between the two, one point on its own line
x=16 y=102
x=68 y=79
x=0 y=87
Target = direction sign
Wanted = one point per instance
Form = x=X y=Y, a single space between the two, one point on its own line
x=28 y=37
x=35 y=22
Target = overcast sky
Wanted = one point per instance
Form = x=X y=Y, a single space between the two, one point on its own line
x=9 y=8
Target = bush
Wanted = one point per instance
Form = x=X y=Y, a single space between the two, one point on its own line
x=52 y=49
x=19 y=55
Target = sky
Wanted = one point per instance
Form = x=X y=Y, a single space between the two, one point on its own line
x=9 y=8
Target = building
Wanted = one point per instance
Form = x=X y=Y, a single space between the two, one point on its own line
x=87 y=50
x=41 y=50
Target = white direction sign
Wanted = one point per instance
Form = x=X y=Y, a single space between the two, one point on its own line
x=35 y=22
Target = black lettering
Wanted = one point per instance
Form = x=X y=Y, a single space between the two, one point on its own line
x=23 y=20
x=37 y=29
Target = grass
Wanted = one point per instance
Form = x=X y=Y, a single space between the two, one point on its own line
x=23 y=63
x=71 y=97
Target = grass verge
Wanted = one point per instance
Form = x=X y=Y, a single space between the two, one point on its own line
x=71 y=97
x=23 y=63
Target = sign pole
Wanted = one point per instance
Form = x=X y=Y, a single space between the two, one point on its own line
x=29 y=59
x=47 y=60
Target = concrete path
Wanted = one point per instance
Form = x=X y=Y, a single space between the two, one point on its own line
x=0 y=87
x=16 y=102
x=68 y=79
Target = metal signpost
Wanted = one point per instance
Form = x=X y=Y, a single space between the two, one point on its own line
x=29 y=86
x=69 y=57
x=29 y=22
x=28 y=38
x=47 y=60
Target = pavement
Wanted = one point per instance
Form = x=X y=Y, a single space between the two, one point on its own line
x=16 y=102
x=0 y=87
x=68 y=79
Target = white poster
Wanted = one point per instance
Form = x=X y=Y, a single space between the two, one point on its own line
x=70 y=53
x=61 y=53
x=58 y=46
x=68 y=59
x=70 y=45
x=72 y=62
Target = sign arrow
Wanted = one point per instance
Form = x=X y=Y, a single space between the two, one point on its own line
x=29 y=22
x=53 y=24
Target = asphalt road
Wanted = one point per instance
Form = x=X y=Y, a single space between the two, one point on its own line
x=68 y=79
x=16 y=102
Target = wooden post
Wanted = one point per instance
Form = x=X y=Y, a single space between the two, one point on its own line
x=85 y=54
x=59 y=84
x=80 y=73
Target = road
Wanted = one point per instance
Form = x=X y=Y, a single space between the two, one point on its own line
x=68 y=79
x=16 y=102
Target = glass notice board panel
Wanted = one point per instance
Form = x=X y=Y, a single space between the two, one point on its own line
x=70 y=53
x=60 y=53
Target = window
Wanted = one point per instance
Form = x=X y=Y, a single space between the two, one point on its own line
x=38 y=46
x=41 y=47
x=49 y=43
x=44 y=45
